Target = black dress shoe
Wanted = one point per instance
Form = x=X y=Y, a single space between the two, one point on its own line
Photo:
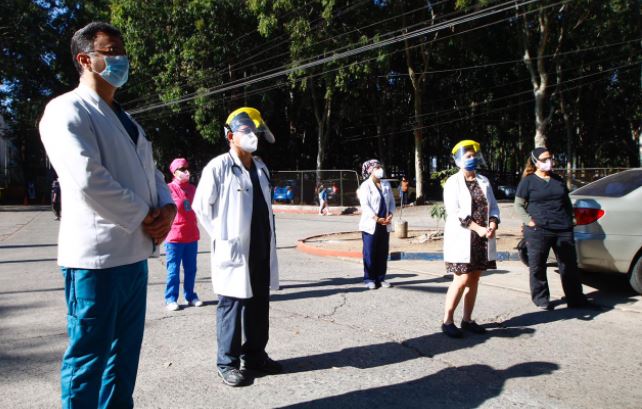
x=232 y=377
x=473 y=327
x=451 y=330
x=268 y=367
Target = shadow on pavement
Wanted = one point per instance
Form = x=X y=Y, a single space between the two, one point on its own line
x=613 y=289
x=20 y=246
x=343 y=285
x=38 y=260
x=388 y=353
x=462 y=387
x=23 y=208
x=40 y=290
x=21 y=356
x=545 y=317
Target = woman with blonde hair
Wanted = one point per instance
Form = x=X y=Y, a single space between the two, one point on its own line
x=472 y=217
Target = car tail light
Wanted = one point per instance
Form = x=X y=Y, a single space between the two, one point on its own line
x=584 y=215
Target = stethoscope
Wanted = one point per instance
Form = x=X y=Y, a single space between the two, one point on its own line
x=238 y=173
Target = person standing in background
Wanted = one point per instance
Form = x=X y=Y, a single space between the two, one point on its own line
x=377 y=206
x=181 y=245
x=55 y=198
x=543 y=204
x=403 y=190
x=323 y=200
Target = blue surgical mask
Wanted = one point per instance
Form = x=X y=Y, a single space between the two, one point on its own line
x=116 y=70
x=470 y=164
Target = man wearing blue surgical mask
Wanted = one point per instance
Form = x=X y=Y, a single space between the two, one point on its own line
x=117 y=209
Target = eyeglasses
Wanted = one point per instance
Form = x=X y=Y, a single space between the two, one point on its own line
x=246 y=130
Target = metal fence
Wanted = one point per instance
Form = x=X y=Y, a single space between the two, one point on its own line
x=301 y=187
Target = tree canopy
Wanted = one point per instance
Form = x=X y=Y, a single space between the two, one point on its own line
x=342 y=81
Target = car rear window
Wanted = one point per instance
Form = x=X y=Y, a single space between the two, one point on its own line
x=616 y=185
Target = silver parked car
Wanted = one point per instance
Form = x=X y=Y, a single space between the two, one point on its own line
x=608 y=231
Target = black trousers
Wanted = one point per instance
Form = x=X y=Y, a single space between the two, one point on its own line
x=242 y=325
x=539 y=242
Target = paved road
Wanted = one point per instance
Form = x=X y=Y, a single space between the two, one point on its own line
x=342 y=346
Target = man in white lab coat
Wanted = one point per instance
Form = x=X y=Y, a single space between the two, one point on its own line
x=233 y=203
x=117 y=210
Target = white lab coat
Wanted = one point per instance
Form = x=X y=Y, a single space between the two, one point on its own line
x=369 y=199
x=107 y=183
x=458 y=203
x=223 y=205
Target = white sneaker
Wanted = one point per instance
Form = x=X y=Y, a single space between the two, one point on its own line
x=386 y=284
x=196 y=302
x=172 y=306
x=370 y=285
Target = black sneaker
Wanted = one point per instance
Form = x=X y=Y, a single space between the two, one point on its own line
x=451 y=330
x=232 y=377
x=473 y=327
x=268 y=367
x=546 y=307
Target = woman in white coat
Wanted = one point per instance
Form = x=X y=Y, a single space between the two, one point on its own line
x=472 y=217
x=377 y=205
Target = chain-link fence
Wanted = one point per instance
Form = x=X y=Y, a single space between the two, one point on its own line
x=301 y=187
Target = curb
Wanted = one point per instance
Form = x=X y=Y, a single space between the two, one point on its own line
x=393 y=255
x=318 y=251
x=335 y=210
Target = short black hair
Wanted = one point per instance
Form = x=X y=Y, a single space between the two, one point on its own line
x=83 y=39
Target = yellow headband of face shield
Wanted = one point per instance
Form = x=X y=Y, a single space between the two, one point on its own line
x=466 y=143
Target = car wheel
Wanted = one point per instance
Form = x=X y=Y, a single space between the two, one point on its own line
x=636 y=275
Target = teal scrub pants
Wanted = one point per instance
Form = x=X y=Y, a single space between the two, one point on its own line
x=105 y=321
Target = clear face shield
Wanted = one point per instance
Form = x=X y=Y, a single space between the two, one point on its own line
x=467 y=155
x=248 y=120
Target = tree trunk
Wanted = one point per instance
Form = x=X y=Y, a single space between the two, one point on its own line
x=539 y=76
x=419 y=143
x=322 y=115
x=418 y=81
x=381 y=149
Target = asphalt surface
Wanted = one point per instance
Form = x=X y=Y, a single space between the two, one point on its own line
x=341 y=345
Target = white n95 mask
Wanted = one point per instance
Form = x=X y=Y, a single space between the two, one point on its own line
x=248 y=141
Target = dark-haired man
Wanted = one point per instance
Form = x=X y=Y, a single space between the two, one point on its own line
x=117 y=211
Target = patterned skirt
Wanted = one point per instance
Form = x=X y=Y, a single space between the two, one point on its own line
x=478 y=258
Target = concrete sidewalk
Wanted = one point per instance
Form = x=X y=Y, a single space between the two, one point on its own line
x=341 y=345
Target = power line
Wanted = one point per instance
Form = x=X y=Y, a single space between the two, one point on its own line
x=302 y=67
x=519 y=60
x=529 y=101
x=280 y=85
x=221 y=71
